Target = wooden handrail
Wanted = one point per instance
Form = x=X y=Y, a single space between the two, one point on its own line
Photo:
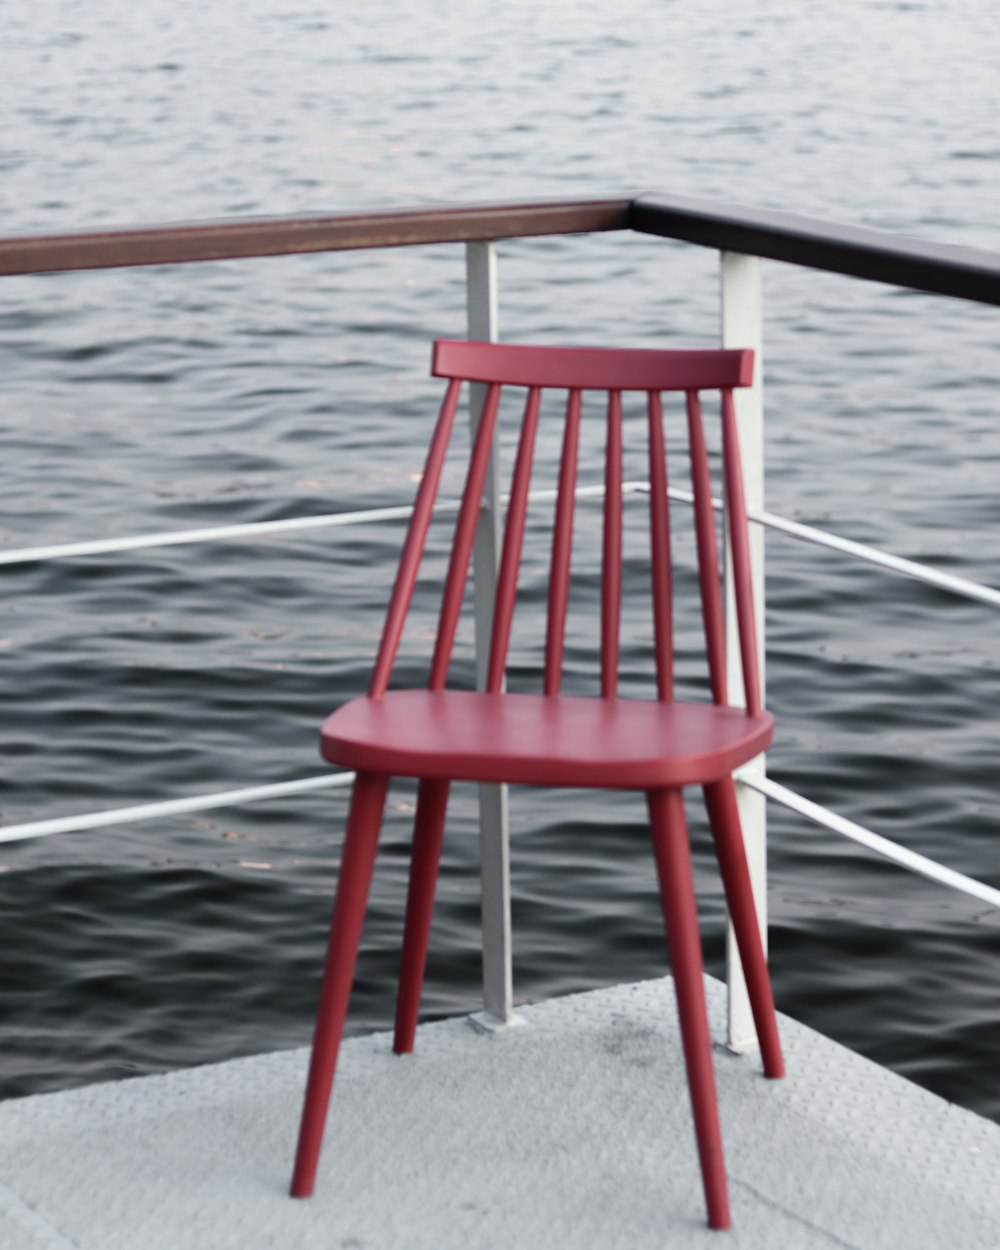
x=285 y=236
x=969 y=273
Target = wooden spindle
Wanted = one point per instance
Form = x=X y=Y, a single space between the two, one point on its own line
x=562 y=542
x=465 y=532
x=510 y=560
x=413 y=547
x=739 y=541
x=659 y=542
x=611 y=564
x=708 y=551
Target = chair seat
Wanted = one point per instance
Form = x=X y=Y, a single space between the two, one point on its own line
x=559 y=740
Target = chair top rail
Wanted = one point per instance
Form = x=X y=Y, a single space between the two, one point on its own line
x=591 y=368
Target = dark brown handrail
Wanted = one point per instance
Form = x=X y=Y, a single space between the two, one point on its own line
x=970 y=273
x=283 y=236
x=942 y=269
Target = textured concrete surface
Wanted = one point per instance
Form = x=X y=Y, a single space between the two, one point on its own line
x=573 y=1131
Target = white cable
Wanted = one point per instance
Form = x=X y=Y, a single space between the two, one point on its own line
x=252 y=529
x=872 y=555
x=861 y=551
x=881 y=846
x=220 y=533
x=172 y=807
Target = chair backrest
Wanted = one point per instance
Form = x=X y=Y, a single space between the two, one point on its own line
x=575 y=370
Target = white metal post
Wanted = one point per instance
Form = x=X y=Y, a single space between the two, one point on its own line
x=494 y=828
x=742 y=326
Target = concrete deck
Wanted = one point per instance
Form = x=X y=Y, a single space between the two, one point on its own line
x=573 y=1131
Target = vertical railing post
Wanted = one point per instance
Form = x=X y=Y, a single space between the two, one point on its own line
x=494 y=833
x=742 y=326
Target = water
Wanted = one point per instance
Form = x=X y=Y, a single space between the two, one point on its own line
x=243 y=391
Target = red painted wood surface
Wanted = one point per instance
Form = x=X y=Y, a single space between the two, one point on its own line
x=591 y=368
x=611 y=564
x=513 y=542
x=657 y=745
x=737 y=510
x=562 y=545
x=534 y=739
x=659 y=550
x=413 y=548
x=708 y=552
x=465 y=533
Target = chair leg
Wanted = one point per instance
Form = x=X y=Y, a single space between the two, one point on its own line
x=360 y=844
x=723 y=813
x=673 y=864
x=432 y=801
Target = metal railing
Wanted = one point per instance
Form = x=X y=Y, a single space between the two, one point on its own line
x=742 y=236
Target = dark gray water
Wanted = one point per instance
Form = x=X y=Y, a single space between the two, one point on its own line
x=243 y=391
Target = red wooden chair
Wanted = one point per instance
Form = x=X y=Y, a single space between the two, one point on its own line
x=657 y=746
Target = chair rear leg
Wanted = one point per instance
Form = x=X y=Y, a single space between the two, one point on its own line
x=360 y=843
x=432 y=802
x=673 y=864
x=723 y=813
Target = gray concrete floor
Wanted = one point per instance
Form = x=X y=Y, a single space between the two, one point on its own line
x=572 y=1131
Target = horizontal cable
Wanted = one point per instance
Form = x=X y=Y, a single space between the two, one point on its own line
x=253 y=529
x=872 y=555
x=873 y=841
x=219 y=533
x=224 y=798
x=172 y=807
x=861 y=551
x=254 y=794
x=149 y=811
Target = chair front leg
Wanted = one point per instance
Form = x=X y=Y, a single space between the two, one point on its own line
x=432 y=802
x=360 y=843
x=724 y=816
x=680 y=914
